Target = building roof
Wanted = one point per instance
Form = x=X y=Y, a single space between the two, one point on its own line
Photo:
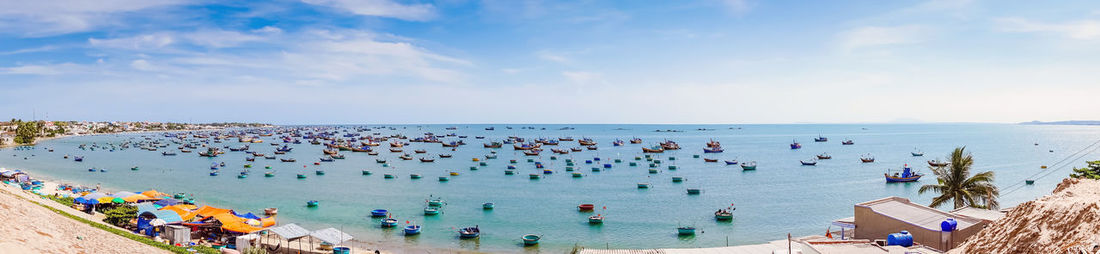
x=918 y=215
x=985 y=214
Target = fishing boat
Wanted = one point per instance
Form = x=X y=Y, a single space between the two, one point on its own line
x=694 y=191
x=412 y=230
x=488 y=206
x=269 y=174
x=684 y=231
x=444 y=179
x=723 y=214
x=312 y=203
x=469 y=232
x=655 y=149
x=643 y=185
x=820 y=138
x=809 y=163
x=848 y=142
x=288 y=160
x=493 y=145
x=712 y=150
x=867 y=158
x=824 y=156
x=595 y=219
x=378 y=213
x=380 y=160
x=168 y=154
x=748 y=165
x=586 y=207
x=213 y=173
x=530 y=239
x=327 y=159
x=586 y=142
x=78 y=158
x=396 y=150
x=443 y=155
x=795 y=145
x=338 y=156
x=534 y=176
x=389 y=222
x=415 y=176
x=670 y=145
x=635 y=141
x=430 y=211
x=576 y=149
x=301 y=176
x=426 y=160
x=531 y=152
x=906 y=175
x=618 y=142
x=420 y=151
x=709 y=160
x=917 y=153
x=406 y=157
x=938 y=163
x=592 y=147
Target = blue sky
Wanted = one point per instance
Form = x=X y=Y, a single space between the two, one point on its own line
x=465 y=61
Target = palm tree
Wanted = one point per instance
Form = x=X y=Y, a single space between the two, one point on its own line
x=954 y=183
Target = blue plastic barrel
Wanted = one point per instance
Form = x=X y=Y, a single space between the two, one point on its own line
x=948 y=225
x=341 y=250
x=903 y=238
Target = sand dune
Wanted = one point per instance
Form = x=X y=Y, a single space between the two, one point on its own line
x=1067 y=221
x=30 y=228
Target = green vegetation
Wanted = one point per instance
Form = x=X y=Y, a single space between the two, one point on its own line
x=954 y=183
x=67 y=201
x=120 y=215
x=1090 y=172
x=26 y=132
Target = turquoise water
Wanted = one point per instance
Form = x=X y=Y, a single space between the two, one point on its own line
x=780 y=197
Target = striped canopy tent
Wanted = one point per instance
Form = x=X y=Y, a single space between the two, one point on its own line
x=145 y=207
x=94 y=195
x=168 y=216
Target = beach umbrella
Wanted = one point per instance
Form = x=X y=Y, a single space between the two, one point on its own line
x=118 y=201
x=105 y=199
x=166 y=202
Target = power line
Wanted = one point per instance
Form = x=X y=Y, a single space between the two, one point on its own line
x=1054 y=167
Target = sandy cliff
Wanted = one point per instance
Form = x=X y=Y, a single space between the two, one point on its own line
x=1067 y=221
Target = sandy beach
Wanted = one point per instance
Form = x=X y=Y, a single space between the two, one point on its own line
x=30 y=228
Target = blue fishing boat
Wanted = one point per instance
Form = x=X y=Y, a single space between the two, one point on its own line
x=530 y=239
x=712 y=150
x=378 y=213
x=733 y=162
x=470 y=232
x=906 y=175
x=312 y=203
x=684 y=231
x=412 y=230
x=821 y=139
x=795 y=145
x=488 y=206
x=429 y=211
x=435 y=202
x=78 y=158
x=213 y=173
x=389 y=222
x=809 y=163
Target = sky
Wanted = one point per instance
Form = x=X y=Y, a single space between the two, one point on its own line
x=532 y=61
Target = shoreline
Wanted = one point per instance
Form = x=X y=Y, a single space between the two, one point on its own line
x=50 y=184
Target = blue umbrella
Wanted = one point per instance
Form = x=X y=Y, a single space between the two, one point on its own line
x=166 y=202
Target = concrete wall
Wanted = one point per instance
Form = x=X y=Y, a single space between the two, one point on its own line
x=872 y=225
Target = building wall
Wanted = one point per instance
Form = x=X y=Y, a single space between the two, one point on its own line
x=871 y=225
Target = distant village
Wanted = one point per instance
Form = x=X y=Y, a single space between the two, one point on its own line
x=15 y=131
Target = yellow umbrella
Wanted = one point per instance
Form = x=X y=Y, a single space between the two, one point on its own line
x=105 y=200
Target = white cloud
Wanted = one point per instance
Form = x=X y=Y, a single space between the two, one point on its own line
x=139 y=42
x=874 y=36
x=141 y=64
x=737 y=6
x=552 y=56
x=211 y=38
x=582 y=77
x=42 y=18
x=381 y=8
x=1081 y=29
x=45 y=69
x=268 y=30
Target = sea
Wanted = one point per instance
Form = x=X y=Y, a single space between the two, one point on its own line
x=780 y=197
